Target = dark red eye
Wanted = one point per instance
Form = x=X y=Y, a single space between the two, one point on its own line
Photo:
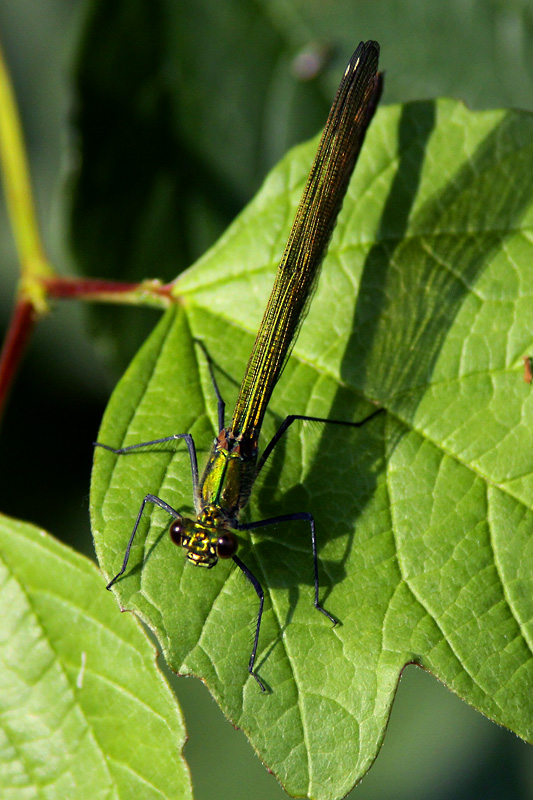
x=176 y=532
x=226 y=545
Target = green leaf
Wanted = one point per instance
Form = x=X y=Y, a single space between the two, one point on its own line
x=423 y=515
x=75 y=674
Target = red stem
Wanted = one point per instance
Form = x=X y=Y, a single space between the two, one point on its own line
x=25 y=315
x=84 y=287
x=20 y=327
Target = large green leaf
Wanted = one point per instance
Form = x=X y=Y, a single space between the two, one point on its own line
x=423 y=516
x=85 y=711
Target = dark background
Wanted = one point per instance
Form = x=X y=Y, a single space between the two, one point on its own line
x=231 y=101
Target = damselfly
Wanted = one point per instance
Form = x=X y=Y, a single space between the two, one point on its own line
x=233 y=464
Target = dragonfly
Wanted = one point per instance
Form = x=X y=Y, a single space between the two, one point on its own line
x=234 y=464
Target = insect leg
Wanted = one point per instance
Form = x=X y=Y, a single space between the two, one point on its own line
x=261 y=595
x=150 y=498
x=304 y=515
x=221 y=405
x=287 y=422
x=189 y=441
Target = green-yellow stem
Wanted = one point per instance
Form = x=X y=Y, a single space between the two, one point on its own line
x=19 y=199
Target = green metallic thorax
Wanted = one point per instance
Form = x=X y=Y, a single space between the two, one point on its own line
x=229 y=474
x=224 y=490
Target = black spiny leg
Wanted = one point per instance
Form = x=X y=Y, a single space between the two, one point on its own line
x=150 y=498
x=261 y=595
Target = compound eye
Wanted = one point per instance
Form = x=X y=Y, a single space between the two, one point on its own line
x=176 y=532
x=226 y=545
